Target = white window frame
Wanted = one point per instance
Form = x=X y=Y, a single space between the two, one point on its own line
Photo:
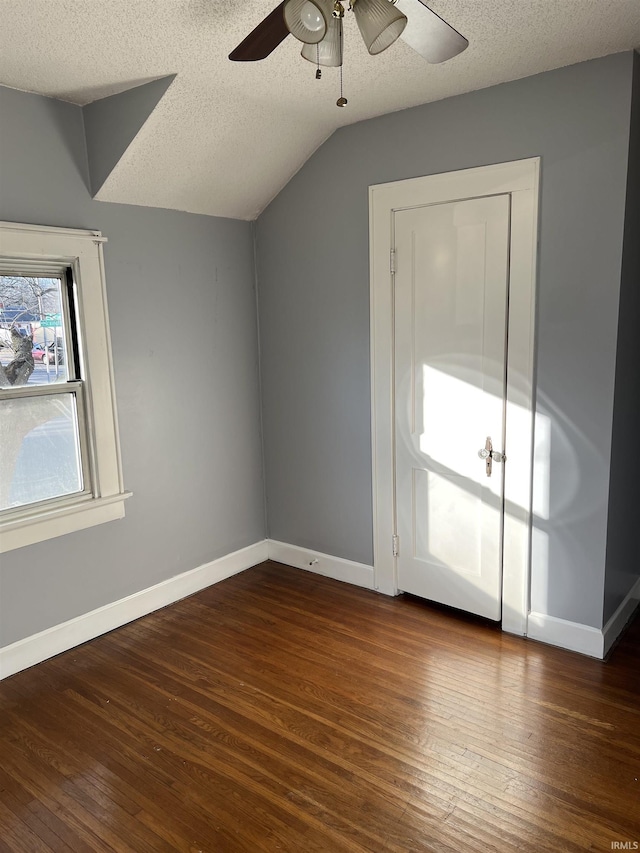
x=41 y=249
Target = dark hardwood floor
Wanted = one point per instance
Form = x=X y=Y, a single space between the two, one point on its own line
x=279 y=710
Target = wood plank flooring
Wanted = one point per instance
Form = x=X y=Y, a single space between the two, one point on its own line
x=279 y=710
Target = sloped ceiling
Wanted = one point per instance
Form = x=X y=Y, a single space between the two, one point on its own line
x=226 y=137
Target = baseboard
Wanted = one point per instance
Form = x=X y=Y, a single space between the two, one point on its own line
x=568 y=635
x=358 y=574
x=618 y=622
x=39 y=647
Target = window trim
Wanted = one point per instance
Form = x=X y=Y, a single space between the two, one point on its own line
x=39 y=248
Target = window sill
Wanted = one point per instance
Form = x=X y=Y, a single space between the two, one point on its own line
x=58 y=520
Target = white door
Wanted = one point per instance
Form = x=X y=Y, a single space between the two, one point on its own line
x=451 y=285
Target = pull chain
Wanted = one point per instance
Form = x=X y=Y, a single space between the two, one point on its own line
x=342 y=101
x=318 y=71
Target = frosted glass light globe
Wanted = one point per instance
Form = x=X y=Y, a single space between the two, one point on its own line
x=307 y=19
x=311 y=17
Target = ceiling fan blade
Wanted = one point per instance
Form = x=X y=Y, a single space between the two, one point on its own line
x=264 y=39
x=428 y=34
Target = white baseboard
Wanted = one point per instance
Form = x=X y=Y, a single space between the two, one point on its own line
x=358 y=574
x=59 y=638
x=616 y=625
x=39 y=647
x=568 y=635
x=594 y=642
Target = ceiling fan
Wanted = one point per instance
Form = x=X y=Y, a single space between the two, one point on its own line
x=318 y=25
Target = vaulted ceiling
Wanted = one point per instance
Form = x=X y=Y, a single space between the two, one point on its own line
x=225 y=137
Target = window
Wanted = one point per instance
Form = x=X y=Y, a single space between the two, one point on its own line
x=59 y=456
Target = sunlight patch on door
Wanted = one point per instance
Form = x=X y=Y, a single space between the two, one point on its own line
x=454 y=440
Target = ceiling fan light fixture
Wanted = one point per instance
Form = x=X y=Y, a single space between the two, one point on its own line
x=380 y=23
x=328 y=52
x=307 y=20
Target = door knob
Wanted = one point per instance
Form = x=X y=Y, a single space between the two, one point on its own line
x=490 y=455
x=485 y=453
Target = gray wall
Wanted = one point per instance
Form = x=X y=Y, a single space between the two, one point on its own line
x=177 y=284
x=111 y=124
x=312 y=249
x=623 y=543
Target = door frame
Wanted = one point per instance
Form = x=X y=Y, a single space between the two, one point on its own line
x=519 y=179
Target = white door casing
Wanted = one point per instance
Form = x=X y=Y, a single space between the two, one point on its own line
x=519 y=181
x=450 y=284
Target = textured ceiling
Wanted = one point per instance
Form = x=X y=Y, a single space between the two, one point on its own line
x=226 y=137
